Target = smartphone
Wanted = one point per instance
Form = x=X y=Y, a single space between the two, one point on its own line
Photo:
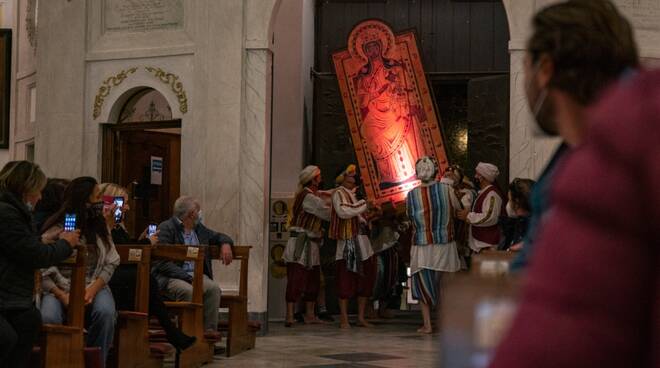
x=119 y=202
x=151 y=230
x=70 y=222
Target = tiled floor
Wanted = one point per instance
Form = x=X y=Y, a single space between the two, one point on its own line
x=391 y=343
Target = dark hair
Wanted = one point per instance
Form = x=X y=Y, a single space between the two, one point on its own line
x=589 y=42
x=52 y=196
x=459 y=171
x=20 y=177
x=76 y=200
x=520 y=190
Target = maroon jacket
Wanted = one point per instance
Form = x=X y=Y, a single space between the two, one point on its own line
x=592 y=297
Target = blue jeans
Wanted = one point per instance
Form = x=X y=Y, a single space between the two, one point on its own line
x=101 y=321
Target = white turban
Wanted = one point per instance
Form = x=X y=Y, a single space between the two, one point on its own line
x=426 y=169
x=307 y=174
x=488 y=171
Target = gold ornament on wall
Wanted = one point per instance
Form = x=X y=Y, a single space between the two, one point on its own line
x=173 y=81
x=106 y=87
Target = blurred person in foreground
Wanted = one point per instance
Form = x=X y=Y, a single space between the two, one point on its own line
x=592 y=297
x=577 y=49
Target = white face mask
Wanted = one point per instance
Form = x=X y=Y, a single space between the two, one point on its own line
x=510 y=211
x=29 y=206
x=200 y=218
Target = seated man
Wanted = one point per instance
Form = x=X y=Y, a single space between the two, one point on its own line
x=175 y=278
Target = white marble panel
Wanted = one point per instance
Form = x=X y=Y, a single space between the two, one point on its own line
x=60 y=61
x=254 y=178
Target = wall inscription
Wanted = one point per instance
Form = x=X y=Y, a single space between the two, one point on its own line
x=643 y=14
x=142 y=15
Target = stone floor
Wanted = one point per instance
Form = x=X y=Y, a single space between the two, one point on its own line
x=391 y=343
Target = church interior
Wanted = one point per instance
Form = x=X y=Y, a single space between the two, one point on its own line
x=329 y=183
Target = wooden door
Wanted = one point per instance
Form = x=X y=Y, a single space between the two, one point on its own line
x=488 y=124
x=149 y=202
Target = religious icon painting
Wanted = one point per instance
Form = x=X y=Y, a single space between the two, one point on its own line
x=390 y=110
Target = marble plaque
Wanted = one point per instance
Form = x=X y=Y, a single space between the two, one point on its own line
x=142 y=15
x=643 y=14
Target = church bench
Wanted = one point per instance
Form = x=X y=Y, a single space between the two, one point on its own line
x=132 y=347
x=241 y=333
x=190 y=315
x=63 y=345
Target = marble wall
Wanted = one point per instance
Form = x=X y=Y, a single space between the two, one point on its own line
x=222 y=57
x=529 y=153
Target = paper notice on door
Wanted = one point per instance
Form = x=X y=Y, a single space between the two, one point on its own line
x=156 y=170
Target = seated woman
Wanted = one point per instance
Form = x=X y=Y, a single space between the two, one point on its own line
x=83 y=198
x=518 y=211
x=122 y=283
x=21 y=253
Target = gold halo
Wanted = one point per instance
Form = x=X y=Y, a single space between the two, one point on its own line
x=366 y=31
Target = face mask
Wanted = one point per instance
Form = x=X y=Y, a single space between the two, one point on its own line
x=29 y=206
x=510 y=211
x=199 y=218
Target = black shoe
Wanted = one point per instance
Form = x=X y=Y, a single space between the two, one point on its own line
x=299 y=317
x=182 y=341
x=326 y=317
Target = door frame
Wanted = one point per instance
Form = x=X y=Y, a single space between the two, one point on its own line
x=109 y=171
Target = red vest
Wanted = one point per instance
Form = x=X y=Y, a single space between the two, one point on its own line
x=488 y=234
x=343 y=229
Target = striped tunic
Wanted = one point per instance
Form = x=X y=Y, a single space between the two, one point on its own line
x=430 y=210
x=302 y=218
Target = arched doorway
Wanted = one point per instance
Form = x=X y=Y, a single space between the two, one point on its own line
x=142 y=152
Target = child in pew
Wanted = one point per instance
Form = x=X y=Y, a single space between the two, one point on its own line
x=83 y=198
x=123 y=280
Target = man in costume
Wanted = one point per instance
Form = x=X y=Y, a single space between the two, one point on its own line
x=301 y=254
x=430 y=208
x=483 y=219
x=355 y=266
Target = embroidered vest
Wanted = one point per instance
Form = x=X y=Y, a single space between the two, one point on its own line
x=487 y=234
x=343 y=228
x=303 y=219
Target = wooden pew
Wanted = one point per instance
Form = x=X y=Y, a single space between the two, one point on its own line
x=190 y=314
x=241 y=333
x=62 y=345
x=131 y=346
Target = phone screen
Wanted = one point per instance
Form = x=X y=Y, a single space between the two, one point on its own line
x=119 y=202
x=151 y=230
x=70 y=222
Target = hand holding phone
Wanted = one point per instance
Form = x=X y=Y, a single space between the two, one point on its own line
x=119 y=203
x=69 y=222
x=151 y=230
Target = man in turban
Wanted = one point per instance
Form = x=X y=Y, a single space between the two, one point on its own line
x=302 y=255
x=430 y=208
x=356 y=269
x=483 y=219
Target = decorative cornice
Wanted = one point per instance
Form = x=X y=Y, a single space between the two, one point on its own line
x=173 y=81
x=104 y=90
